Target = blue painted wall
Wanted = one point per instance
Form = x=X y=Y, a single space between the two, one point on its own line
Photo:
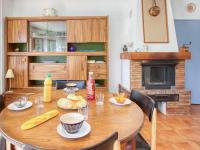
x=189 y=30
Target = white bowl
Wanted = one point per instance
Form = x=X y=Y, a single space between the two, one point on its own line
x=72 y=122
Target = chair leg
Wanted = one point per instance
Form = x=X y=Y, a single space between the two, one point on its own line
x=8 y=145
x=2 y=143
x=153 y=130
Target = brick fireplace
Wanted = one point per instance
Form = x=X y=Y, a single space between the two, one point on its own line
x=175 y=99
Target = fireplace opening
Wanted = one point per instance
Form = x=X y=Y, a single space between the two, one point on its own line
x=158 y=74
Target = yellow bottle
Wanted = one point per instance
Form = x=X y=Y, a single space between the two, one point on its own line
x=47 y=88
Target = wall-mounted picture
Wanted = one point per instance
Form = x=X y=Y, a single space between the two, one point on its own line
x=155 y=24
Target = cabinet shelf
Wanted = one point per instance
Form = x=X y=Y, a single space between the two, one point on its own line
x=48 y=37
x=103 y=53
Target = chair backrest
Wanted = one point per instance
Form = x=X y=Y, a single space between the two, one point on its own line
x=62 y=84
x=146 y=103
x=124 y=90
x=1 y=103
x=106 y=144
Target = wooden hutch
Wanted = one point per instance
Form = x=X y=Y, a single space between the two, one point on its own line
x=40 y=45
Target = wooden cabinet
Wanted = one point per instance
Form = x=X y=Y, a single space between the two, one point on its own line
x=87 y=30
x=17 y=31
x=77 y=67
x=19 y=64
x=99 y=70
x=38 y=71
x=88 y=33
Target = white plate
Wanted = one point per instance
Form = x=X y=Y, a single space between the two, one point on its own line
x=83 y=131
x=13 y=107
x=126 y=102
x=68 y=90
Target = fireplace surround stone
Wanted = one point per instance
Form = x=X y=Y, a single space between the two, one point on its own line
x=182 y=106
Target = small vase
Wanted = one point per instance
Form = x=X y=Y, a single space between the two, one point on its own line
x=72 y=48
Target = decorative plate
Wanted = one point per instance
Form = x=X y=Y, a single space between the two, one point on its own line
x=191 y=7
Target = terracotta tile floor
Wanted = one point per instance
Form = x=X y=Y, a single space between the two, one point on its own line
x=176 y=132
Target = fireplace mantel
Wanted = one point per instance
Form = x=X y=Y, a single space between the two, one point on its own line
x=155 y=55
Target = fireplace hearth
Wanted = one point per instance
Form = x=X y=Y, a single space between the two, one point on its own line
x=158 y=74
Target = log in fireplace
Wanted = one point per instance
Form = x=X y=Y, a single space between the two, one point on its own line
x=159 y=74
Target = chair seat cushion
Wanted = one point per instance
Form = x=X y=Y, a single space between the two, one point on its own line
x=141 y=143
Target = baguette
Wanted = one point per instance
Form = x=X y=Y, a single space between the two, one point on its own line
x=39 y=120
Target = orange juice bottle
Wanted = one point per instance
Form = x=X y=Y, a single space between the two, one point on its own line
x=47 y=88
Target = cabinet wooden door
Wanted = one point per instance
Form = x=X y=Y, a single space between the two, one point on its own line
x=77 y=67
x=78 y=31
x=99 y=30
x=88 y=30
x=19 y=64
x=17 y=31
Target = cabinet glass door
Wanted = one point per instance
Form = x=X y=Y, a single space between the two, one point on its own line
x=49 y=36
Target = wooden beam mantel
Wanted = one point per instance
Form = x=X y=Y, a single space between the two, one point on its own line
x=155 y=55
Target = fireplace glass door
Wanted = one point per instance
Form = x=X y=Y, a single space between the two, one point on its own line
x=158 y=76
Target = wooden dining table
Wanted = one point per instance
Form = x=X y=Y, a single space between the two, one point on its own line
x=103 y=119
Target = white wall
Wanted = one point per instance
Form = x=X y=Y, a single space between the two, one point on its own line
x=160 y=47
x=125 y=26
x=5 y=9
x=136 y=36
x=180 y=11
x=1 y=20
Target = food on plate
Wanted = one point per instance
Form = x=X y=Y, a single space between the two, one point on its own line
x=39 y=119
x=72 y=102
x=120 y=98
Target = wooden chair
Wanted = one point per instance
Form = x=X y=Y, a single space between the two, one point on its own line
x=124 y=90
x=147 y=104
x=111 y=143
x=62 y=84
x=1 y=103
x=2 y=140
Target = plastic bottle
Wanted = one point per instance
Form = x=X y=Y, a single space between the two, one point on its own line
x=91 y=87
x=47 y=88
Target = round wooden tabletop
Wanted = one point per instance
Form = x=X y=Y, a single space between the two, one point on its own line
x=104 y=120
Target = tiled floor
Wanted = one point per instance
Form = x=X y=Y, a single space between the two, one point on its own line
x=177 y=132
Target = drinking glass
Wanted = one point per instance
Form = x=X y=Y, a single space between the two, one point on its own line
x=39 y=104
x=84 y=111
x=21 y=101
x=100 y=99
